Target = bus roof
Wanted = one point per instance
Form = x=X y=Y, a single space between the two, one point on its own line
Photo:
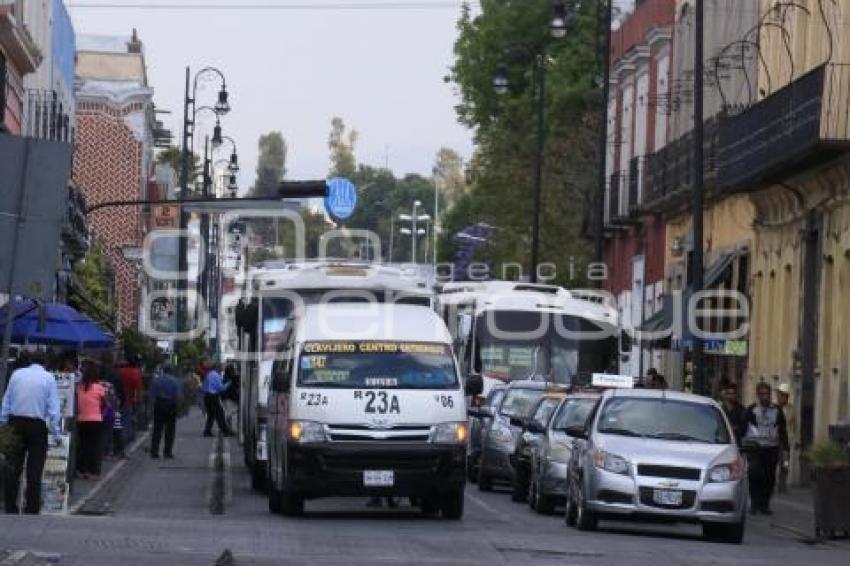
x=336 y=274
x=517 y=296
x=358 y=321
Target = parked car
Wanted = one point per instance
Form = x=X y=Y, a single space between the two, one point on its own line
x=550 y=456
x=660 y=455
x=501 y=433
x=477 y=424
x=532 y=434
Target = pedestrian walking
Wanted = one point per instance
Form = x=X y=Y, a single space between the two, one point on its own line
x=130 y=374
x=167 y=395
x=735 y=412
x=768 y=436
x=213 y=387
x=91 y=409
x=783 y=401
x=31 y=408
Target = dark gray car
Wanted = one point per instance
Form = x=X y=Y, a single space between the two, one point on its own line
x=477 y=425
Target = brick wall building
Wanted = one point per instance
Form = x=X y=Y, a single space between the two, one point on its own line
x=113 y=160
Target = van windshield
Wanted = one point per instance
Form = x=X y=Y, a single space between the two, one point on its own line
x=381 y=365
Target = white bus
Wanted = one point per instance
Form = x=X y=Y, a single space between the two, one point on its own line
x=270 y=297
x=504 y=331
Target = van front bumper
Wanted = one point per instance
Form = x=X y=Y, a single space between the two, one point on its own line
x=337 y=469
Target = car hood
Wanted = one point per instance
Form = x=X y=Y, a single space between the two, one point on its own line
x=667 y=452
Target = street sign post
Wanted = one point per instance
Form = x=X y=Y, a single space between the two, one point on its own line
x=341 y=199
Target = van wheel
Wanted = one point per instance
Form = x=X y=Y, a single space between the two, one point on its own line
x=452 y=505
x=430 y=505
x=275 y=500
x=471 y=471
x=258 y=477
x=485 y=482
x=732 y=533
x=292 y=504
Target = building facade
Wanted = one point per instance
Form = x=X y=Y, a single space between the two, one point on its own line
x=20 y=56
x=114 y=153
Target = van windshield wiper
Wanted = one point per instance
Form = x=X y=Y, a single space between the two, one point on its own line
x=678 y=436
x=621 y=432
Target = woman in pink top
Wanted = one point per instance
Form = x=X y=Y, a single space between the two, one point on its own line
x=91 y=400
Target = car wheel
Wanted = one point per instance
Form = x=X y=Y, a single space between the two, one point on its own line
x=732 y=533
x=544 y=504
x=520 y=485
x=472 y=470
x=570 y=512
x=532 y=490
x=586 y=519
x=452 y=505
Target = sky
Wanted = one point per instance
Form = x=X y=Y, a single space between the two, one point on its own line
x=293 y=71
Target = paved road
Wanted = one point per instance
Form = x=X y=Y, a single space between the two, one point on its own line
x=158 y=512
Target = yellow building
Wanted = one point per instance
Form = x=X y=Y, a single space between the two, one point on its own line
x=791 y=152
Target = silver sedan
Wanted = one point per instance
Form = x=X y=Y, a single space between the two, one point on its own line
x=659 y=454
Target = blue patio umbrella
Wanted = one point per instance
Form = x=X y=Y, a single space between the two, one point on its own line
x=62 y=326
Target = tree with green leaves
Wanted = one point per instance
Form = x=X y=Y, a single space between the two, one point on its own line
x=341 y=143
x=271 y=164
x=92 y=293
x=501 y=171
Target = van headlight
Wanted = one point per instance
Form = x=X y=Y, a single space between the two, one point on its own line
x=732 y=471
x=611 y=463
x=449 y=433
x=306 y=432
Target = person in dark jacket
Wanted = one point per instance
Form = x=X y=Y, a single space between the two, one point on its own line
x=767 y=436
x=166 y=393
x=735 y=412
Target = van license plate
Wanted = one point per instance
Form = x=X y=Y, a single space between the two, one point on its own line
x=378 y=478
x=669 y=497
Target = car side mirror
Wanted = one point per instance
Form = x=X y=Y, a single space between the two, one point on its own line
x=474 y=385
x=518 y=422
x=536 y=427
x=576 y=432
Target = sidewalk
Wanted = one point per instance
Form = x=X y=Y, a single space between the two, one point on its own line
x=160 y=488
x=793 y=512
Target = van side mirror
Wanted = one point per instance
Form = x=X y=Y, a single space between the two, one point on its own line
x=518 y=422
x=280 y=379
x=474 y=385
x=536 y=428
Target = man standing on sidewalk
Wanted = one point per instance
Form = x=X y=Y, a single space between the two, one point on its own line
x=166 y=394
x=30 y=406
x=767 y=434
x=736 y=414
x=130 y=374
x=783 y=401
x=212 y=388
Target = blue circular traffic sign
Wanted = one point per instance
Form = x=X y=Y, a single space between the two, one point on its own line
x=341 y=199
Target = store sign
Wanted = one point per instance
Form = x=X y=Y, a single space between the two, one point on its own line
x=166 y=216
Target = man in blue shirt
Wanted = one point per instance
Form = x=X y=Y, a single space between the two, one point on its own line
x=212 y=388
x=167 y=394
x=30 y=406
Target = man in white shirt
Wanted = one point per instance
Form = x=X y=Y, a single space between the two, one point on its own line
x=30 y=406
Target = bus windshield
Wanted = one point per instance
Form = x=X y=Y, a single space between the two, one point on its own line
x=525 y=344
x=383 y=365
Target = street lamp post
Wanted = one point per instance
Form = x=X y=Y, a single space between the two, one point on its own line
x=501 y=85
x=190 y=111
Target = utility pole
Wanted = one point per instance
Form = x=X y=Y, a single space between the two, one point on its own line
x=700 y=387
x=182 y=267
x=602 y=181
x=540 y=72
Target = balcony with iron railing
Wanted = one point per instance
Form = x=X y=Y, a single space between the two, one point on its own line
x=75 y=231
x=668 y=175
x=47 y=117
x=805 y=123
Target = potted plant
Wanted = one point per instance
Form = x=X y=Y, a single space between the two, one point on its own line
x=830 y=462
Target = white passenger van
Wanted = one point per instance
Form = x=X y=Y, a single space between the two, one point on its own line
x=270 y=295
x=366 y=400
